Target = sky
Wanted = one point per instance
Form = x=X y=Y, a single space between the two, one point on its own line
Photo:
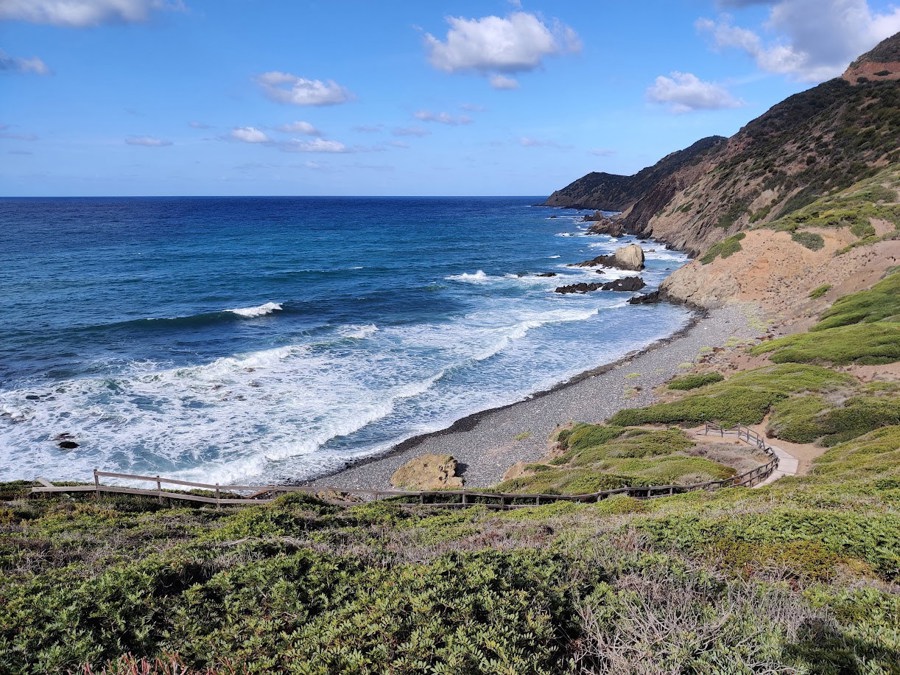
x=427 y=97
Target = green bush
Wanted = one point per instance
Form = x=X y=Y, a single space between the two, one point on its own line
x=695 y=381
x=724 y=248
x=810 y=240
x=881 y=302
x=819 y=291
x=864 y=343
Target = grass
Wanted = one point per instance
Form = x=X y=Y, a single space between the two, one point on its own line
x=810 y=240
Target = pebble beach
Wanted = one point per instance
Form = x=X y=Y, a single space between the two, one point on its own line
x=488 y=443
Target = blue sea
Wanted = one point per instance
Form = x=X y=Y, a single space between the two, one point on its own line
x=277 y=339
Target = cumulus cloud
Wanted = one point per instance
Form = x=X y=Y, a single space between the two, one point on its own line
x=814 y=40
x=493 y=45
x=83 y=13
x=315 y=145
x=300 y=128
x=503 y=82
x=147 y=141
x=15 y=64
x=249 y=135
x=288 y=88
x=685 y=92
x=442 y=118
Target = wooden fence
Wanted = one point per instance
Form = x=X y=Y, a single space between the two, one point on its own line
x=249 y=495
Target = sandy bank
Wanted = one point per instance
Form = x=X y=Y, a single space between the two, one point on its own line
x=488 y=443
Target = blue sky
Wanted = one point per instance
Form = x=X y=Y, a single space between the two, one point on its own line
x=357 y=97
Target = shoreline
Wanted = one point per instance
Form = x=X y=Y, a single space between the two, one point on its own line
x=487 y=443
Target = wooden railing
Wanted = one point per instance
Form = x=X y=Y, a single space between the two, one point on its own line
x=248 y=495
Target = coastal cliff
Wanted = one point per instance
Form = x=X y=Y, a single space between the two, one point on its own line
x=812 y=144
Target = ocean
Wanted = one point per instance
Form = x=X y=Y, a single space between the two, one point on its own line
x=277 y=339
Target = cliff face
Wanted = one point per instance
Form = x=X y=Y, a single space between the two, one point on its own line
x=814 y=143
x=612 y=192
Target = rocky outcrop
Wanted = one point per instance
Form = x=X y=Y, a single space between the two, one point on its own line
x=646 y=299
x=428 y=472
x=629 y=257
x=614 y=227
x=625 y=284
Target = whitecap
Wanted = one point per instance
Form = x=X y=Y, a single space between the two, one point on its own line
x=260 y=310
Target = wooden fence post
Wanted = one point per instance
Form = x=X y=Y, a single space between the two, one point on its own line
x=158 y=489
x=96 y=484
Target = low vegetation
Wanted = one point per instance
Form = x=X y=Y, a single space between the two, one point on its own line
x=695 y=381
x=724 y=248
x=600 y=457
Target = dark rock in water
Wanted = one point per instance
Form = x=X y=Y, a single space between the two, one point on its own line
x=546 y=274
x=67 y=445
x=605 y=260
x=579 y=288
x=599 y=272
x=626 y=284
x=553 y=217
x=646 y=299
x=604 y=225
x=32 y=397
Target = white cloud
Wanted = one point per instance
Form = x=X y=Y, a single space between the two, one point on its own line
x=249 y=135
x=685 y=92
x=315 y=145
x=504 y=82
x=300 y=128
x=147 y=141
x=529 y=142
x=493 y=45
x=288 y=88
x=16 y=64
x=82 y=13
x=814 y=40
x=410 y=131
x=442 y=118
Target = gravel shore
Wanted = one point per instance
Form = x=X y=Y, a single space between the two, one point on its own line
x=488 y=443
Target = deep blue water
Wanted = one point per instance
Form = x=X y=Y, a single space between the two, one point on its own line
x=264 y=339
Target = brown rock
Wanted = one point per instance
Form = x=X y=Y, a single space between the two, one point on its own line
x=428 y=472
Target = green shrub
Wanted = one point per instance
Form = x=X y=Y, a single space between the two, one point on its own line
x=810 y=240
x=724 y=248
x=694 y=381
x=881 y=302
x=865 y=343
x=819 y=291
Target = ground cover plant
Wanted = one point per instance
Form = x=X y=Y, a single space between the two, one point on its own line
x=796 y=577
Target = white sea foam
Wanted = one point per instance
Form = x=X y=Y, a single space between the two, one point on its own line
x=478 y=277
x=358 y=332
x=260 y=310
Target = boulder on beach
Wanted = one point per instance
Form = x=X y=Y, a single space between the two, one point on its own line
x=630 y=257
x=428 y=472
x=646 y=299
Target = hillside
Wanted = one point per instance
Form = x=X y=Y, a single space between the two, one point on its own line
x=813 y=143
x=613 y=192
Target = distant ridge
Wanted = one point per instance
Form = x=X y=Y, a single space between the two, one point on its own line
x=614 y=192
x=813 y=143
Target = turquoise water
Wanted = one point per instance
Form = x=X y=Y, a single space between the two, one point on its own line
x=259 y=339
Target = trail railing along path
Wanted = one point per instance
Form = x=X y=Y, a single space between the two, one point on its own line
x=251 y=495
